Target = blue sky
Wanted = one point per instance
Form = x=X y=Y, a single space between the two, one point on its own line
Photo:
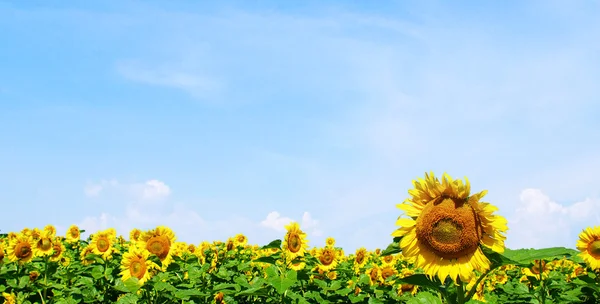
x=216 y=119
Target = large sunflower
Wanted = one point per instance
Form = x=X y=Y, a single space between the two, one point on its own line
x=135 y=263
x=43 y=244
x=21 y=249
x=158 y=241
x=294 y=243
x=589 y=245
x=446 y=228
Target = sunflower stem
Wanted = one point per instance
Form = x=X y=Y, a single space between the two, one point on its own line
x=461 y=292
x=45 y=278
x=474 y=288
x=542 y=286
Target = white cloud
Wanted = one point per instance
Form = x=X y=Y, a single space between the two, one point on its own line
x=150 y=190
x=277 y=222
x=147 y=191
x=179 y=76
x=541 y=222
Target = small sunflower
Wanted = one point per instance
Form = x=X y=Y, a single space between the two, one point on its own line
x=73 y=234
x=295 y=243
x=158 y=241
x=2 y=250
x=9 y=298
x=374 y=274
x=134 y=235
x=135 y=263
x=51 y=230
x=103 y=243
x=329 y=242
x=240 y=240
x=360 y=258
x=534 y=270
x=58 y=249
x=84 y=255
x=21 y=249
x=589 y=245
x=328 y=258
x=446 y=228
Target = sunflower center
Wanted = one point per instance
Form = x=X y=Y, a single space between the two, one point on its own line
x=294 y=243
x=360 y=257
x=45 y=244
x=594 y=248
x=449 y=227
x=159 y=246
x=326 y=258
x=388 y=258
x=137 y=269
x=373 y=274
x=103 y=244
x=23 y=251
x=57 y=251
x=386 y=273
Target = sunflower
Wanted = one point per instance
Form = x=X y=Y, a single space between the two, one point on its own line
x=388 y=271
x=2 y=250
x=51 y=230
x=240 y=240
x=374 y=274
x=43 y=244
x=589 y=245
x=135 y=263
x=328 y=258
x=158 y=241
x=21 y=249
x=58 y=250
x=103 y=243
x=360 y=258
x=446 y=228
x=388 y=260
x=329 y=242
x=9 y=298
x=134 y=235
x=295 y=243
x=84 y=255
x=73 y=234
x=180 y=249
x=534 y=271
x=219 y=298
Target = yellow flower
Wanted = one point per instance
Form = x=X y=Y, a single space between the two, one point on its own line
x=374 y=274
x=240 y=240
x=135 y=263
x=589 y=245
x=73 y=234
x=446 y=228
x=103 y=243
x=9 y=298
x=58 y=250
x=360 y=258
x=404 y=287
x=295 y=243
x=329 y=242
x=534 y=271
x=2 y=250
x=51 y=230
x=43 y=244
x=84 y=253
x=21 y=249
x=180 y=249
x=158 y=241
x=328 y=258
x=134 y=235
x=219 y=298
x=388 y=260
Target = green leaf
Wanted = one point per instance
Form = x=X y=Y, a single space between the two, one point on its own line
x=253 y=291
x=129 y=298
x=282 y=283
x=497 y=259
x=526 y=256
x=422 y=280
x=273 y=244
x=392 y=248
x=221 y=286
x=97 y=272
x=131 y=285
x=23 y=281
x=187 y=293
x=266 y=259
x=424 y=297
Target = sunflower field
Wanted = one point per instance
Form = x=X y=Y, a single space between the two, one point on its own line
x=448 y=248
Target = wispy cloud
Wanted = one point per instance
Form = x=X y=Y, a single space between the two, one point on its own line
x=146 y=191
